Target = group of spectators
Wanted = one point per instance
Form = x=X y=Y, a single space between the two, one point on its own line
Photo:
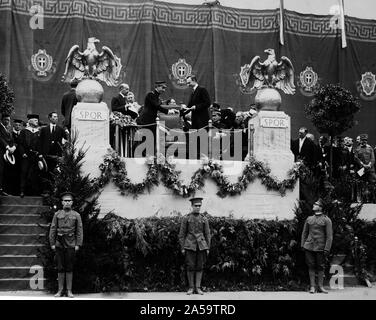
x=29 y=152
x=354 y=161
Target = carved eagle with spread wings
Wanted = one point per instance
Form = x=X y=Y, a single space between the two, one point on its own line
x=104 y=66
x=269 y=73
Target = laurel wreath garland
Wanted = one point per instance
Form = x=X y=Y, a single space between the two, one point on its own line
x=113 y=168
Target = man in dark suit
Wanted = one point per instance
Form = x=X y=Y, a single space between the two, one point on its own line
x=6 y=144
x=13 y=174
x=68 y=102
x=50 y=143
x=199 y=103
x=304 y=149
x=119 y=103
x=28 y=149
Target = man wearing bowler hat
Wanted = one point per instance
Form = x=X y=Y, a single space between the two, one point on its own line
x=194 y=238
x=66 y=236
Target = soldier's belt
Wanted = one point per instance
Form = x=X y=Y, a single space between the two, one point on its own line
x=65 y=234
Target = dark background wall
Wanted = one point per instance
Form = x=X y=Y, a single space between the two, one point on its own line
x=150 y=37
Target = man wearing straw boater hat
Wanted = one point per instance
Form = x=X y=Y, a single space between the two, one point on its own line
x=194 y=238
x=317 y=237
x=66 y=236
x=7 y=148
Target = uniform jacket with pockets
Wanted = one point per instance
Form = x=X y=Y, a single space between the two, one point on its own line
x=66 y=229
x=317 y=233
x=194 y=232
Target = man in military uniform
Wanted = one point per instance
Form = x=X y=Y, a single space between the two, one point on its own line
x=365 y=157
x=66 y=236
x=152 y=105
x=194 y=238
x=317 y=237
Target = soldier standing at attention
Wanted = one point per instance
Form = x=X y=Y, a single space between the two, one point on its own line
x=66 y=235
x=194 y=238
x=317 y=237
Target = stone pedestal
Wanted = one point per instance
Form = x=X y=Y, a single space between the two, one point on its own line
x=271 y=141
x=91 y=123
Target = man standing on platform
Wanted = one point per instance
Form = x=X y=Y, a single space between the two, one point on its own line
x=28 y=149
x=152 y=105
x=13 y=174
x=68 y=102
x=66 y=237
x=6 y=145
x=304 y=149
x=50 y=143
x=199 y=103
x=119 y=103
x=194 y=238
x=365 y=158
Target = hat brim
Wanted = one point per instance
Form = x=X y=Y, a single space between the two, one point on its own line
x=42 y=165
x=9 y=157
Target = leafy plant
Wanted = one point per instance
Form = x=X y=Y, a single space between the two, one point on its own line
x=6 y=97
x=332 y=111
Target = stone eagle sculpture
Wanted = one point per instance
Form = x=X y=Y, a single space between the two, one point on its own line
x=269 y=73
x=104 y=66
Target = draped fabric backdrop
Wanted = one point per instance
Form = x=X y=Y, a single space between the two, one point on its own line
x=150 y=36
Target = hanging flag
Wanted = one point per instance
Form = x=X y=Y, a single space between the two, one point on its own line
x=281 y=23
x=342 y=23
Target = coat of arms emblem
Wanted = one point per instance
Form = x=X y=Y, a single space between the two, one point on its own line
x=180 y=71
x=366 y=86
x=308 y=81
x=42 y=65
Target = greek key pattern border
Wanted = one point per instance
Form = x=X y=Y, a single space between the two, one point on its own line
x=187 y=16
x=309 y=25
x=153 y=12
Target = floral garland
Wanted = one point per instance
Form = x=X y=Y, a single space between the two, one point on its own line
x=113 y=168
x=117 y=118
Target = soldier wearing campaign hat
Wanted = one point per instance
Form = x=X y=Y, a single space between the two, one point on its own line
x=66 y=237
x=28 y=150
x=317 y=237
x=365 y=157
x=194 y=238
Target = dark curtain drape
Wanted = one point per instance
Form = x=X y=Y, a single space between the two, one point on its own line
x=150 y=37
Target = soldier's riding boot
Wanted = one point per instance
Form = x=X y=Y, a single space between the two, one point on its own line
x=198 y=282
x=60 y=279
x=69 y=284
x=190 y=275
x=320 y=277
x=312 y=275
